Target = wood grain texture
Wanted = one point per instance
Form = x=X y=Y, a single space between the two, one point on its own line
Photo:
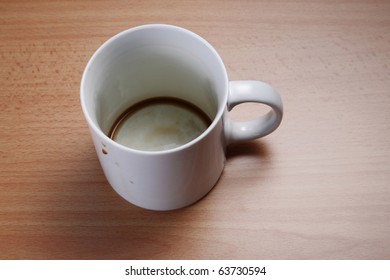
x=317 y=188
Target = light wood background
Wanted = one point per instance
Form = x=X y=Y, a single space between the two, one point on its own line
x=317 y=188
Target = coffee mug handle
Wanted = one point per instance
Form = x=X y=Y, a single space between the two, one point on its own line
x=258 y=92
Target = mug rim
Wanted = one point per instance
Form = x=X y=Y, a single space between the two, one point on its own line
x=221 y=105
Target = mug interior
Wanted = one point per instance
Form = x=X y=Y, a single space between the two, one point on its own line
x=152 y=61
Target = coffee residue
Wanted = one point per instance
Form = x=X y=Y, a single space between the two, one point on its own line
x=158 y=124
x=158 y=100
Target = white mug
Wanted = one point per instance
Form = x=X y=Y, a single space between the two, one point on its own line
x=139 y=63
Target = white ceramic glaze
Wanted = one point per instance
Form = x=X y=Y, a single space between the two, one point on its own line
x=135 y=65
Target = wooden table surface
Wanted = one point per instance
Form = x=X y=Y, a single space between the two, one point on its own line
x=317 y=188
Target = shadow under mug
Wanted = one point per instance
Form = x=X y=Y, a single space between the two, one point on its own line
x=152 y=60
